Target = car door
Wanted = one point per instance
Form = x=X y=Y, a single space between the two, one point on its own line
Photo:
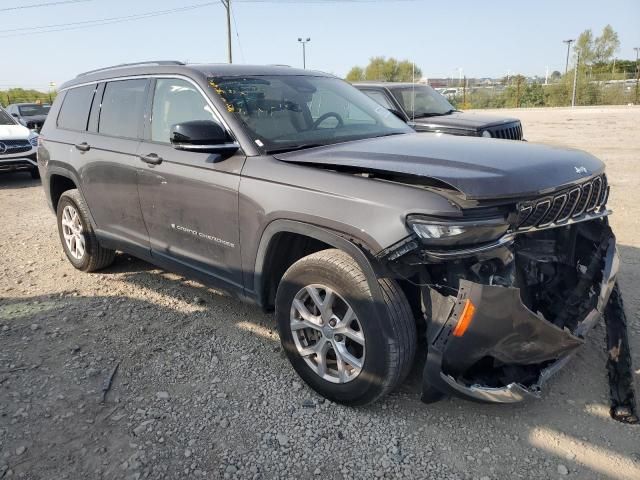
x=109 y=162
x=189 y=200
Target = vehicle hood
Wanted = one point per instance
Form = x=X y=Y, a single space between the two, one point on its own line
x=13 y=132
x=479 y=168
x=466 y=120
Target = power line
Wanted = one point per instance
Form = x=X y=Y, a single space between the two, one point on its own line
x=61 y=27
x=233 y=15
x=38 y=5
x=324 y=1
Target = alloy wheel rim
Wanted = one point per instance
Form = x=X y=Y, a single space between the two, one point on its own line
x=327 y=334
x=72 y=232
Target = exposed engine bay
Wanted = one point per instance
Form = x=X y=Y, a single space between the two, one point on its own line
x=501 y=322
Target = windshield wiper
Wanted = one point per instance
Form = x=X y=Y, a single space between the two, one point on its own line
x=293 y=148
x=434 y=114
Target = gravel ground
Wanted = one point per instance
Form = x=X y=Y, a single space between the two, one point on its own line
x=203 y=389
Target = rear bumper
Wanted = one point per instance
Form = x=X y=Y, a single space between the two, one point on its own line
x=505 y=329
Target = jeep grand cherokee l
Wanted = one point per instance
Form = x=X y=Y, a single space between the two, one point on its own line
x=373 y=243
x=428 y=111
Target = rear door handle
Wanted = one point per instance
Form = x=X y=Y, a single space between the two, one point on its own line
x=151 y=158
x=83 y=147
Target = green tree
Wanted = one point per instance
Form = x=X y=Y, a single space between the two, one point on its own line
x=584 y=47
x=533 y=96
x=606 y=45
x=356 y=74
x=385 y=69
x=20 y=95
x=407 y=71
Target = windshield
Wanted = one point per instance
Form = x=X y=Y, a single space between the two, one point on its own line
x=298 y=111
x=422 y=101
x=5 y=118
x=32 y=110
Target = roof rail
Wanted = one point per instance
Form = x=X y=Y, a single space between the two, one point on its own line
x=135 y=64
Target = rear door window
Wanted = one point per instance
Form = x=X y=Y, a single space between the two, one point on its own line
x=122 y=109
x=74 y=112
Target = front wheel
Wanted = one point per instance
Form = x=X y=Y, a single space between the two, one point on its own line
x=342 y=344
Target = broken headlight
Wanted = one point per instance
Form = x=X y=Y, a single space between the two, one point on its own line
x=456 y=232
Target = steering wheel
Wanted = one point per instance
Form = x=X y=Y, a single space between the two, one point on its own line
x=322 y=118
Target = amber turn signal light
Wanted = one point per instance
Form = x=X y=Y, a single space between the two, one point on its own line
x=466 y=317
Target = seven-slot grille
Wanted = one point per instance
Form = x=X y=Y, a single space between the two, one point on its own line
x=512 y=131
x=561 y=207
x=15 y=146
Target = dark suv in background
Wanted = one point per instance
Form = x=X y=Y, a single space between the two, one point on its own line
x=373 y=243
x=428 y=111
x=30 y=115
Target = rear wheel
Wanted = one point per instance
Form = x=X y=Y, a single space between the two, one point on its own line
x=340 y=342
x=77 y=236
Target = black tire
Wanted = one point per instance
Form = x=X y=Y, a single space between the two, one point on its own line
x=95 y=256
x=390 y=338
x=35 y=173
x=619 y=367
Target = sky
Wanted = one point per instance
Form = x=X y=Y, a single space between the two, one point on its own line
x=484 y=39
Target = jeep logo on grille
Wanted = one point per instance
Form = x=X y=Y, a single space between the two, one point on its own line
x=3 y=148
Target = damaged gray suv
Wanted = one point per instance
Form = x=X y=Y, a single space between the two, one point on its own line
x=377 y=247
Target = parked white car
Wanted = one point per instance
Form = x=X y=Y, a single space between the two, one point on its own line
x=18 y=146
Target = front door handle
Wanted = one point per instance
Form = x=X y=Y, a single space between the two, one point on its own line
x=151 y=158
x=83 y=147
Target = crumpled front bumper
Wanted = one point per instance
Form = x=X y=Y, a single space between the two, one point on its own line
x=505 y=329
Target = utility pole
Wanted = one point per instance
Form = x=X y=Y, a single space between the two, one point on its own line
x=546 y=76
x=637 y=49
x=304 y=51
x=52 y=87
x=575 y=81
x=227 y=5
x=566 y=65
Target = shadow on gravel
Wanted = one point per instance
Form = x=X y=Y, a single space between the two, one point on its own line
x=14 y=180
x=58 y=349
x=547 y=434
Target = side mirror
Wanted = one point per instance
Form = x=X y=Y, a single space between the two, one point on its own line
x=15 y=115
x=202 y=136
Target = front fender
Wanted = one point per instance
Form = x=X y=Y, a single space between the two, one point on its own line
x=369 y=268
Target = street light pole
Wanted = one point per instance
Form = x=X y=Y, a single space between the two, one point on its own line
x=566 y=65
x=575 y=82
x=304 y=51
x=637 y=49
x=227 y=5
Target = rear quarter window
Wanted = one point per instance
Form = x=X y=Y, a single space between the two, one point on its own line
x=122 y=109
x=74 y=112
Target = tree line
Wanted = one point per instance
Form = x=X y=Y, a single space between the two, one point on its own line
x=21 y=95
x=593 y=62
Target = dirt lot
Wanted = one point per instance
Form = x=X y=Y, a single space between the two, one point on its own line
x=203 y=390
